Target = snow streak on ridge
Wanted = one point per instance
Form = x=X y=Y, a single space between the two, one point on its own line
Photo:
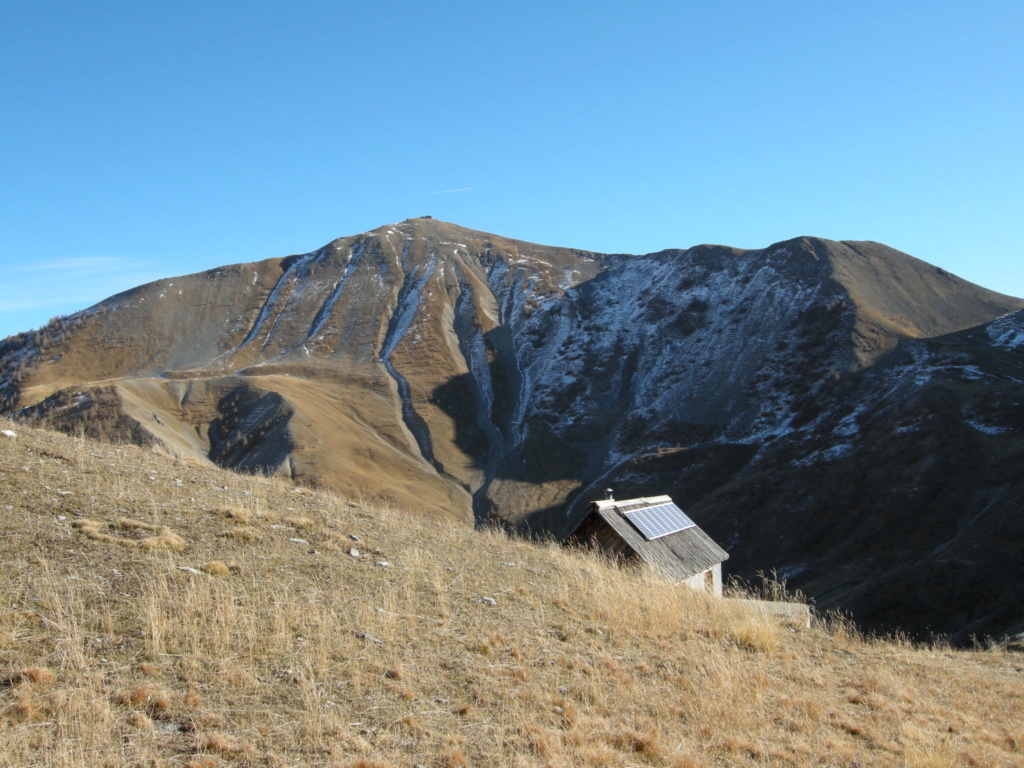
x=268 y=305
x=355 y=255
x=405 y=312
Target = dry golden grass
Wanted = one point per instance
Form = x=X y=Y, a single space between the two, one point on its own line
x=754 y=632
x=165 y=538
x=300 y=655
x=39 y=675
x=216 y=568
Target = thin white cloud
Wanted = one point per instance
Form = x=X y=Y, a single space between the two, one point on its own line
x=71 y=283
x=77 y=264
x=20 y=305
x=446 y=191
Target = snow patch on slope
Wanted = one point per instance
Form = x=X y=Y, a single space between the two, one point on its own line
x=670 y=342
x=1008 y=331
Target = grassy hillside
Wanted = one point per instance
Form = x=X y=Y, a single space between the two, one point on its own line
x=160 y=612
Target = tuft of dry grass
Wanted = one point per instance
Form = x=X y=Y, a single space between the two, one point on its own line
x=165 y=538
x=39 y=675
x=309 y=657
x=245 y=533
x=221 y=744
x=141 y=720
x=149 y=696
x=755 y=632
x=216 y=568
x=238 y=514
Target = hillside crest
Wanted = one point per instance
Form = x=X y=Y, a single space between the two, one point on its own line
x=166 y=612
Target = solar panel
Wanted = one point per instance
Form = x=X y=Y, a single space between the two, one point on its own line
x=659 y=520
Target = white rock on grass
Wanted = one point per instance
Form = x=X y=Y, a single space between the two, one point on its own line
x=8 y=432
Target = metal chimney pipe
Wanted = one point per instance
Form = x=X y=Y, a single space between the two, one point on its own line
x=609 y=494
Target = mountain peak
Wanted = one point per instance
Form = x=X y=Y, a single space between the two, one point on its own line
x=472 y=376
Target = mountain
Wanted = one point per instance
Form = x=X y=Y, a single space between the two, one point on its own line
x=838 y=411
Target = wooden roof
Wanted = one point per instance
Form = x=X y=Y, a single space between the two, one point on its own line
x=679 y=555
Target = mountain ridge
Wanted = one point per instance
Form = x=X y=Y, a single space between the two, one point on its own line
x=476 y=377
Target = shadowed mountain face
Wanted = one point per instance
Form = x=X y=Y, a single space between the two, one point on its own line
x=841 y=412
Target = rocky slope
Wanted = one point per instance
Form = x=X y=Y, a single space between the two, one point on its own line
x=842 y=412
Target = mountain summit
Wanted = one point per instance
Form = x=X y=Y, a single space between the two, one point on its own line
x=840 y=411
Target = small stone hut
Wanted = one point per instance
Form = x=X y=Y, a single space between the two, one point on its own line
x=655 y=531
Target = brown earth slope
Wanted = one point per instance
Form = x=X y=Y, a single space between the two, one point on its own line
x=163 y=612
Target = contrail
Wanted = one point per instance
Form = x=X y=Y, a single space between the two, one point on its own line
x=446 y=191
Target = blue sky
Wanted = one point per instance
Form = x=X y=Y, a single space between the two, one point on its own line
x=149 y=139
